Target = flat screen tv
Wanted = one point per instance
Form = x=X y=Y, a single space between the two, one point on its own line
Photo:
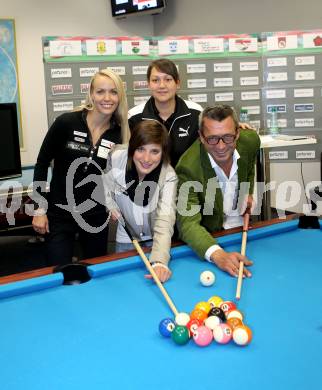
x=10 y=163
x=123 y=8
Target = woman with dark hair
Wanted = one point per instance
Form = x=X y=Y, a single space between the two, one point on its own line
x=179 y=116
x=141 y=192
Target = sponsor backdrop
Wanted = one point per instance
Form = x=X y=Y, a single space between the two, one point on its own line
x=254 y=71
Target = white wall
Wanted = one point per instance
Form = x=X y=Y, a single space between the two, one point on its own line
x=183 y=17
x=35 y=19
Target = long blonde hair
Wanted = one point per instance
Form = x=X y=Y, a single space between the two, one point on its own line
x=121 y=113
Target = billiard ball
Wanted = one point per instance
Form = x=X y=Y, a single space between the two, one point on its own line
x=222 y=333
x=212 y=321
x=242 y=335
x=226 y=306
x=166 y=326
x=215 y=301
x=202 y=336
x=207 y=278
x=234 y=314
x=180 y=335
x=205 y=306
x=193 y=324
x=182 y=319
x=198 y=314
x=216 y=311
x=234 y=322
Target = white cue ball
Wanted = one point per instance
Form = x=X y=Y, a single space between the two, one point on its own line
x=207 y=278
x=182 y=319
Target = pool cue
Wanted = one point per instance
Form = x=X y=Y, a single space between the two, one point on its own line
x=145 y=260
x=243 y=252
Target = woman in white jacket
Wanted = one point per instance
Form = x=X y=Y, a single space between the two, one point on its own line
x=141 y=192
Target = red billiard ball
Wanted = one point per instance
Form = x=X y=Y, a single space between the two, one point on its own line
x=193 y=324
x=226 y=306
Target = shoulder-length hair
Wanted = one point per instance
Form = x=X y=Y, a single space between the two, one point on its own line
x=149 y=132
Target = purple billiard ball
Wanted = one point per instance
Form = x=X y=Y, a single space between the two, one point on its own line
x=166 y=327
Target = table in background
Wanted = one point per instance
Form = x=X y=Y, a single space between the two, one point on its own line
x=268 y=142
x=103 y=334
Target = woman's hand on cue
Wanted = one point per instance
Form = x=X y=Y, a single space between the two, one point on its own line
x=162 y=272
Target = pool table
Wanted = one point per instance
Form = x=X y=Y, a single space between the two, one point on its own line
x=103 y=334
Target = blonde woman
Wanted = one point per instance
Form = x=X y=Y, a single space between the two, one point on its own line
x=78 y=144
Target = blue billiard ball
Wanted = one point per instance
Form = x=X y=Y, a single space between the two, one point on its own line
x=166 y=326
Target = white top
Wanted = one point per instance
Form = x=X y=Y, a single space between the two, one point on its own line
x=229 y=189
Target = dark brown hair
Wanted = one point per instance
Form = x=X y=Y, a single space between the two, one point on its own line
x=165 y=66
x=149 y=132
x=218 y=112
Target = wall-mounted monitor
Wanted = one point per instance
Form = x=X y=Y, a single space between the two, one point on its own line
x=10 y=163
x=123 y=8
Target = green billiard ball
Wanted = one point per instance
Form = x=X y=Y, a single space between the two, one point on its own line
x=180 y=335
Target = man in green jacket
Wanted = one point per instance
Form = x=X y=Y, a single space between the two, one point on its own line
x=216 y=183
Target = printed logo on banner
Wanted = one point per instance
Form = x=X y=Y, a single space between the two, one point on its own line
x=250 y=95
x=305 y=154
x=224 y=97
x=211 y=45
x=280 y=155
x=84 y=88
x=312 y=40
x=63 y=106
x=120 y=70
x=140 y=84
x=247 y=66
x=304 y=107
x=276 y=94
x=303 y=92
x=280 y=108
x=140 y=99
x=198 y=98
x=196 y=68
x=223 y=67
x=139 y=69
x=88 y=72
x=243 y=44
x=197 y=83
x=62 y=89
x=57 y=73
x=304 y=122
x=137 y=47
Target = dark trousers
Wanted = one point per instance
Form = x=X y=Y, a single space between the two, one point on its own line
x=61 y=238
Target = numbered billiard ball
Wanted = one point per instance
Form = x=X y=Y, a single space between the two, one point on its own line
x=202 y=336
x=234 y=322
x=207 y=278
x=234 y=314
x=193 y=324
x=222 y=333
x=215 y=301
x=216 y=311
x=205 y=306
x=166 y=326
x=180 y=335
x=242 y=335
x=198 y=314
x=226 y=306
